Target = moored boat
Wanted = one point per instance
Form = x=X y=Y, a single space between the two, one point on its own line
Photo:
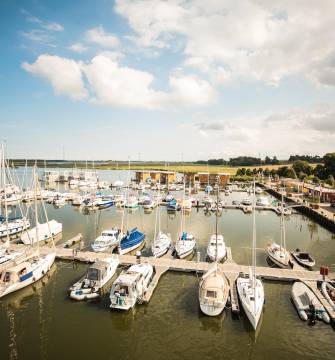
x=98 y=275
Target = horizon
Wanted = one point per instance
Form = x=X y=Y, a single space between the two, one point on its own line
x=176 y=80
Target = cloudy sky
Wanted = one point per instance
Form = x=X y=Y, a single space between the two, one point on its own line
x=157 y=79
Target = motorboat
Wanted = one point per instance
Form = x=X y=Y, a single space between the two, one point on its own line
x=45 y=231
x=246 y=201
x=108 y=240
x=132 y=202
x=173 y=206
x=216 y=249
x=213 y=291
x=328 y=291
x=307 y=303
x=96 y=277
x=303 y=258
x=131 y=241
x=131 y=286
x=149 y=204
x=263 y=201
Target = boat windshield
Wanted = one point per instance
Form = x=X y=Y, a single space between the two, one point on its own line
x=93 y=274
x=211 y=294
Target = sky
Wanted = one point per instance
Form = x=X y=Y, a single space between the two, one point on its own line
x=167 y=80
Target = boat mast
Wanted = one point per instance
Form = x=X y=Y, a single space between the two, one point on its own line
x=3 y=172
x=127 y=195
x=36 y=213
x=216 y=224
x=254 y=246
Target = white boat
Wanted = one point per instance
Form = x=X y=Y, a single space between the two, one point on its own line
x=30 y=270
x=132 y=202
x=59 y=201
x=213 y=291
x=118 y=183
x=108 y=240
x=246 y=201
x=74 y=182
x=307 y=303
x=303 y=258
x=161 y=244
x=216 y=248
x=162 y=241
x=263 y=201
x=250 y=289
x=13 y=227
x=149 y=204
x=98 y=275
x=131 y=286
x=328 y=291
x=25 y=273
x=45 y=231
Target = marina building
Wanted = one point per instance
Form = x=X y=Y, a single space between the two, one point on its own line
x=164 y=177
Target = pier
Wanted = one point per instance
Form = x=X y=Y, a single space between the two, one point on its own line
x=231 y=270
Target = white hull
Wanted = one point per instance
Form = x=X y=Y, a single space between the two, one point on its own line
x=43 y=267
x=45 y=232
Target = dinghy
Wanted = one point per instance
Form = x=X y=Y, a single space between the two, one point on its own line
x=98 y=274
x=328 y=291
x=307 y=303
x=303 y=258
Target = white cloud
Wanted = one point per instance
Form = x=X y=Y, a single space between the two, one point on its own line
x=250 y=39
x=64 y=75
x=301 y=130
x=99 y=36
x=78 y=47
x=53 y=26
x=112 y=84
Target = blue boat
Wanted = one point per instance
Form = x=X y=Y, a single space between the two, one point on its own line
x=131 y=241
x=173 y=206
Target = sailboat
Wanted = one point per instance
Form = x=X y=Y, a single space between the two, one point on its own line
x=162 y=241
x=31 y=270
x=216 y=249
x=250 y=289
x=186 y=243
x=134 y=238
x=213 y=288
x=277 y=253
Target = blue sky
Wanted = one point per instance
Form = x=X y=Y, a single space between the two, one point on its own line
x=112 y=79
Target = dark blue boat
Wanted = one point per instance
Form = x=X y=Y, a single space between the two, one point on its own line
x=173 y=206
x=131 y=241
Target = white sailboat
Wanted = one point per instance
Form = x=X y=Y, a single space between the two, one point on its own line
x=250 y=289
x=277 y=252
x=29 y=271
x=162 y=241
x=216 y=249
x=186 y=243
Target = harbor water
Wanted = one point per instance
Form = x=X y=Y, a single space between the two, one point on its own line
x=40 y=322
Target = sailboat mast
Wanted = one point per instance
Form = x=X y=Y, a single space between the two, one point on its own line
x=216 y=224
x=36 y=212
x=5 y=190
x=254 y=240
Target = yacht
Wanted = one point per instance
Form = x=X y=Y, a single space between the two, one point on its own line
x=98 y=275
x=131 y=286
x=108 y=240
x=45 y=231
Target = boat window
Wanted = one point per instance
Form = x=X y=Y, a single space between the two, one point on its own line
x=93 y=274
x=211 y=294
x=6 y=277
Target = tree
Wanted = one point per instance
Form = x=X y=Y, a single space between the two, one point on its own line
x=266 y=172
x=290 y=173
x=316 y=180
x=303 y=166
x=302 y=176
x=329 y=163
x=330 y=180
x=248 y=172
x=320 y=171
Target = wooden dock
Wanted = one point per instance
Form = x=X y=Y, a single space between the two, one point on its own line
x=160 y=270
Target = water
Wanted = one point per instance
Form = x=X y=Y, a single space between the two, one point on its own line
x=40 y=322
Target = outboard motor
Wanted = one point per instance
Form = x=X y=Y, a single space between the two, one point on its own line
x=312 y=314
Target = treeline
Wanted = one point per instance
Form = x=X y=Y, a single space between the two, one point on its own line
x=301 y=169
x=254 y=161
